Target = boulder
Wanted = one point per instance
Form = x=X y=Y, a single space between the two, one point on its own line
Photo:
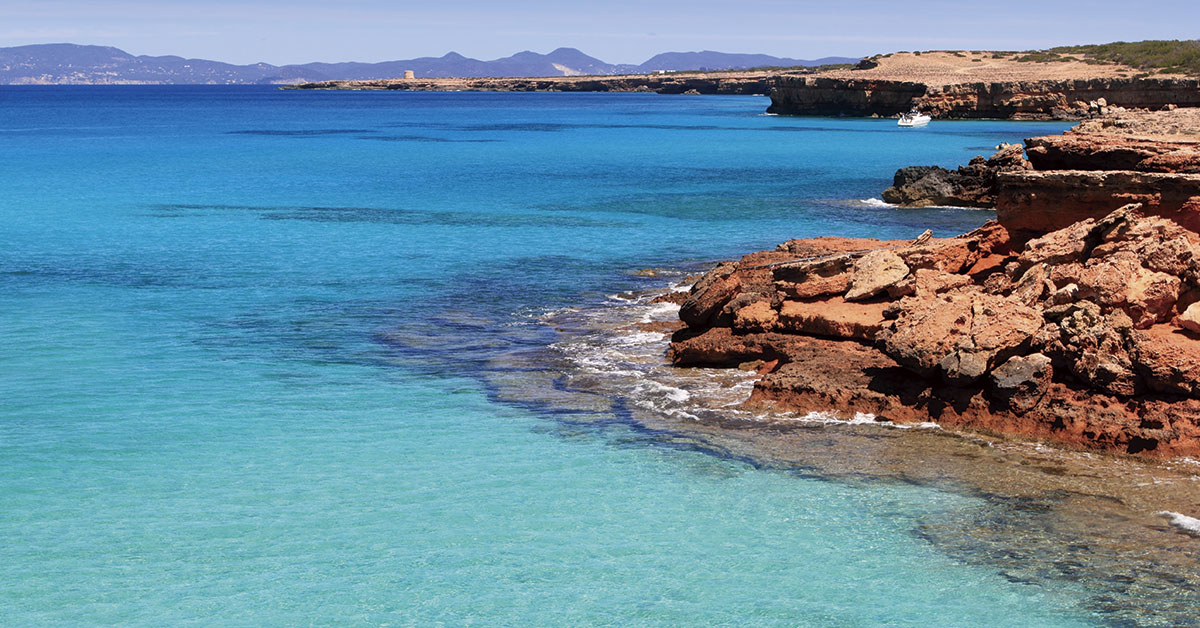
x=709 y=295
x=958 y=335
x=924 y=282
x=1167 y=359
x=950 y=255
x=757 y=316
x=833 y=318
x=1190 y=319
x=1120 y=281
x=1021 y=381
x=874 y=273
x=1028 y=290
x=1057 y=247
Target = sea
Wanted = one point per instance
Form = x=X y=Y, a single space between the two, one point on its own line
x=303 y=358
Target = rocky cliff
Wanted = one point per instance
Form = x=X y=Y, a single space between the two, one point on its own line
x=1152 y=158
x=1074 y=318
x=1086 y=336
x=1045 y=99
x=843 y=97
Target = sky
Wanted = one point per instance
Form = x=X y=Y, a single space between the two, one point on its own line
x=616 y=31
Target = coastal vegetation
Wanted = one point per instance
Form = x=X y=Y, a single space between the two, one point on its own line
x=1164 y=56
x=1173 y=56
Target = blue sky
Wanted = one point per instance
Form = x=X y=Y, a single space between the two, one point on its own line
x=618 y=31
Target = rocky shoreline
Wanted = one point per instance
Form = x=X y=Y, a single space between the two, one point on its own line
x=722 y=83
x=946 y=84
x=1071 y=322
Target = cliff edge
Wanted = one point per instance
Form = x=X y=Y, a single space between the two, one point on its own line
x=976 y=84
x=1085 y=333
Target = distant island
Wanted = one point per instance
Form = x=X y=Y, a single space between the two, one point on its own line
x=72 y=64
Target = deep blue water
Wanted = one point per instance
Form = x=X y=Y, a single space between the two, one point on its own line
x=206 y=418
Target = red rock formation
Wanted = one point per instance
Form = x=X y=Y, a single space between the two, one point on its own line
x=1082 y=337
x=1085 y=173
x=1030 y=203
x=1104 y=151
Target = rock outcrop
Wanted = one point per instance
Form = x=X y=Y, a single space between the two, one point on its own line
x=973 y=185
x=1034 y=202
x=1086 y=335
x=1152 y=158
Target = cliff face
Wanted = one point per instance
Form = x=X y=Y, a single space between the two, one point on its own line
x=1030 y=203
x=1005 y=99
x=1152 y=158
x=1102 y=165
x=848 y=97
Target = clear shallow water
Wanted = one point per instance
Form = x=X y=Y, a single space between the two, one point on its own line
x=230 y=394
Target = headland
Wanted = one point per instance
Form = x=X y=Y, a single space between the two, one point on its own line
x=980 y=84
x=1074 y=318
x=946 y=84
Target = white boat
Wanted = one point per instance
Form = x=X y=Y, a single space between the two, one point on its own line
x=913 y=118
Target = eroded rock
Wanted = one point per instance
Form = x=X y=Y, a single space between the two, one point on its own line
x=1022 y=381
x=960 y=335
x=1083 y=328
x=874 y=273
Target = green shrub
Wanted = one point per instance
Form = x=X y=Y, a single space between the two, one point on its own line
x=1177 y=56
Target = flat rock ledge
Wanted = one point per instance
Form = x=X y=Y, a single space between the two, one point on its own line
x=1085 y=335
x=1147 y=157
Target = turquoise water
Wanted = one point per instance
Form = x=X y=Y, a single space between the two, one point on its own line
x=206 y=417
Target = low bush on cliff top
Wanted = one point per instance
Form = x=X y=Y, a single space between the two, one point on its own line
x=1040 y=56
x=1181 y=57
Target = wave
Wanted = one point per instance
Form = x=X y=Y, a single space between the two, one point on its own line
x=863 y=418
x=617 y=349
x=1190 y=525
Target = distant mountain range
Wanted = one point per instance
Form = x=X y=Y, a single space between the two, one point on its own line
x=75 y=64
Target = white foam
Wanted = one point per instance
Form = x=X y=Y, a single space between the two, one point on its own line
x=545 y=315
x=875 y=202
x=677 y=395
x=959 y=207
x=682 y=286
x=864 y=418
x=641 y=338
x=1191 y=525
x=659 y=311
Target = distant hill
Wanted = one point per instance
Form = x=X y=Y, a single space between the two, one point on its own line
x=76 y=64
x=709 y=60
